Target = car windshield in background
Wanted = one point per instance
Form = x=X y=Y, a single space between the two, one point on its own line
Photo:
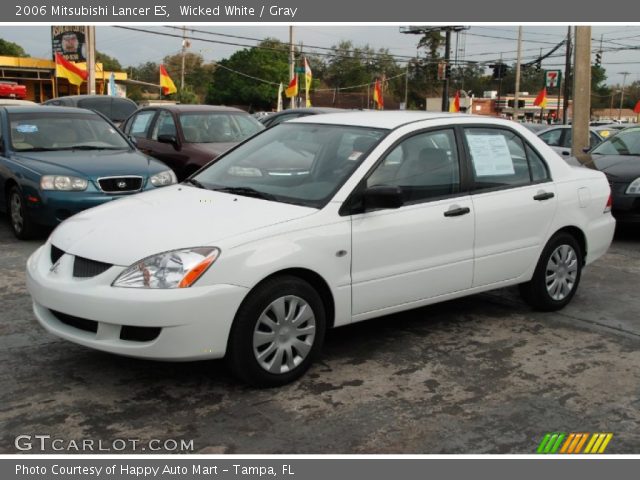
x=44 y=131
x=627 y=142
x=217 y=127
x=294 y=163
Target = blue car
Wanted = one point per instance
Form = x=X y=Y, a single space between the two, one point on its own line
x=56 y=162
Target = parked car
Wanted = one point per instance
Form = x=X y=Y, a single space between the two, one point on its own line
x=253 y=259
x=285 y=115
x=618 y=157
x=56 y=161
x=560 y=138
x=11 y=102
x=187 y=137
x=116 y=109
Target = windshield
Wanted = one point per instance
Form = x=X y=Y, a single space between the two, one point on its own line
x=627 y=142
x=218 y=127
x=293 y=162
x=63 y=131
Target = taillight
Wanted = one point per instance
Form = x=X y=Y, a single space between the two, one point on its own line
x=607 y=208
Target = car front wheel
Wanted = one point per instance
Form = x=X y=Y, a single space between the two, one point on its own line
x=277 y=332
x=557 y=274
x=21 y=224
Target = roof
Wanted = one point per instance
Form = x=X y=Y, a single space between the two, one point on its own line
x=181 y=108
x=83 y=97
x=379 y=119
x=40 y=110
x=310 y=110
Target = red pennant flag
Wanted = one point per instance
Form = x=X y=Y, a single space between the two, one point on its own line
x=541 y=99
x=378 y=98
x=636 y=109
x=455 y=105
x=70 y=71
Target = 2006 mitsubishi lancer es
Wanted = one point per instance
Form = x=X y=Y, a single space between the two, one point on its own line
x=318 y=223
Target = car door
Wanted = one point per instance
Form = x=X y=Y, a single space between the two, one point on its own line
x=139 y=126
x=424 y=248
x=514 y=201
x=169 y=153
x=4 y=168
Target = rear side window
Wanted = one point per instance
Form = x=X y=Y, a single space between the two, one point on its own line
x=139 y=125
x=552 y=137
x=102 y=105
x=499 y=158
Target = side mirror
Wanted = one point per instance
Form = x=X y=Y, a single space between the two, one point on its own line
x=382 y=197
x=170 y=139
x=586 y=149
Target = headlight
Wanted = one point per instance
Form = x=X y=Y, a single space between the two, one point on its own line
x=634 y=187
x=62 y=182
x=164 y=178
x=174 y=269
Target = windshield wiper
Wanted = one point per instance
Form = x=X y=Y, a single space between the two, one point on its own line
x=93 y=147
x=39 y=149
x=195 y=183
x=247 y=192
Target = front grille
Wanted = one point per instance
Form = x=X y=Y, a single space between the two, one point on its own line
x=139 y=334
x=120 y=184
x=56 y=254
x=79 y=323
x=85 y=268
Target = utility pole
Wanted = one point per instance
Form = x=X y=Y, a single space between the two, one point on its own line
x=183 y=53
x=406 y=88
x=445 y=83
x=516 y=97
x=624 y=79
x=581 y=90
x=91 y=60
x=292 y=64
x=567 y=76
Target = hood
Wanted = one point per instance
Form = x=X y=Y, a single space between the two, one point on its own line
x=93 y=164
x=616 y=167
x=131 y=228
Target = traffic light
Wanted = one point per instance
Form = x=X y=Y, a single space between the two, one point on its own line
x=538 y=66
x=447 y=71
x=499 y=70
x=599 y=58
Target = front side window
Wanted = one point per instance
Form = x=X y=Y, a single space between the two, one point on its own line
x=165 y=125
x=498 y=158
x=63 y=131
x=295 y=163
x=424 y=166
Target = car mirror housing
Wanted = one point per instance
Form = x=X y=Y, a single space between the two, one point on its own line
x=171 y=139
x=382 y=197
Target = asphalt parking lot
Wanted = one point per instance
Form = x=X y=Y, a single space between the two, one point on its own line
x=478 y=375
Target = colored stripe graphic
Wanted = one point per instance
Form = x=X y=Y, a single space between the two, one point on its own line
x=573 y=443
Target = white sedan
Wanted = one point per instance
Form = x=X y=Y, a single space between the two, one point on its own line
x=317 y=223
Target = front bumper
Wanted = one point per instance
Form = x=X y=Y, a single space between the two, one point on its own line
x=626 y=208
x=193 y=323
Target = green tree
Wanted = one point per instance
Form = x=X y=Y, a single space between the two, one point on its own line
x=11 y=49
x=270 y=64
x=110 y=64
x=197 y=75
x=600 y=92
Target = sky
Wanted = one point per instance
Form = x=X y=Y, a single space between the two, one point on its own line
x=479 y=43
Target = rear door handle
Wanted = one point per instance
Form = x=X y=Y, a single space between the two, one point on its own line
x=544 y=196
x=456 y=212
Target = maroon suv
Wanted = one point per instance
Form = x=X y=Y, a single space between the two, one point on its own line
x=186 y=137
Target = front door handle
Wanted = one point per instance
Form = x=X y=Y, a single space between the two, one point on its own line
x=544 y=196
x=456 y=212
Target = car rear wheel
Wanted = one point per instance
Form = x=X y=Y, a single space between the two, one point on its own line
x=21 y=224
x=277 y=332
x=557 y=274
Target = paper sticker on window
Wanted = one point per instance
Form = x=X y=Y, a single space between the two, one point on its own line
x=491 y=156
x=27 y=128
x=354 y=156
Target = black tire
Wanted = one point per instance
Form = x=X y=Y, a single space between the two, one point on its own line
x=537 y=292
x=21 y=225
x=242 y=354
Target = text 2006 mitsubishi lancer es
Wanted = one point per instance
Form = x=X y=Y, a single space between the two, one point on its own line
x=318 y=223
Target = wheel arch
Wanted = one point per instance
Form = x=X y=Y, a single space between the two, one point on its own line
x=315 y=280
x=580 y=237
